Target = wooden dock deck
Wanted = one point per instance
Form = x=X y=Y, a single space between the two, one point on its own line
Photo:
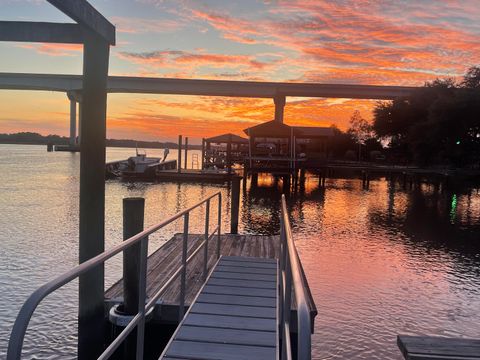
x=194 y=175
x=438 y=348
x=232 y=317
x=166 y=260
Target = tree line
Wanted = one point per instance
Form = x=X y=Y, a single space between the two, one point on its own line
x=439 y=124
x=32 y=138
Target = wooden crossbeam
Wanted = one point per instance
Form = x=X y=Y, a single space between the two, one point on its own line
x=85 y=14
x=41 y=32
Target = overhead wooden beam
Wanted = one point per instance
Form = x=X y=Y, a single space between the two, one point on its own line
x=85 y=14
x=41 y=32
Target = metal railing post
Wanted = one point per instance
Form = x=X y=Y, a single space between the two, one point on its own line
x=287 y=297
x=142 y=295
x=205 y=251
x=181 y=308
x=219 y=223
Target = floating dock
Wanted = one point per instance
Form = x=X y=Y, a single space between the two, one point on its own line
x=162 y=264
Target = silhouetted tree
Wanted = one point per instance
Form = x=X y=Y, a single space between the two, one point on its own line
x=439 y=123
x=471 y=80
x=360 y=130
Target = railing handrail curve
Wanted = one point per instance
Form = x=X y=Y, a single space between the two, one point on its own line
x=291 y=267
x=20 y=326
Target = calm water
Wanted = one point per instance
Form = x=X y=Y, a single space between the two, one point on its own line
x=379 y=262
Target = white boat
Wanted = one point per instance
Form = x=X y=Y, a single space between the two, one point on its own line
x=138 y=166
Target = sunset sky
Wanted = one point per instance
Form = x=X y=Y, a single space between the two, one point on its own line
x=345 y=41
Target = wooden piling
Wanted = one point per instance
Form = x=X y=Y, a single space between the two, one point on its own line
x=133 y=214
x=186 y=152
x=203 y=154
x=179 y=162
x=235 y=205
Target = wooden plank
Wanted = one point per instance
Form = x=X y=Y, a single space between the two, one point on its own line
x=230 y=322
x=237 y=300
x=426 y=347
x=229 y=290
x=232 y=336
x=249 y=258
x=206 y=351
x=85 y=14
x=243 y=283
x=242 y=276
x=245 y=270
x=41 y=32
x=248 y=264
x=234 y=310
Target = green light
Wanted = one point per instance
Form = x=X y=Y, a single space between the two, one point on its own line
x=453 y=209
x=458 y=142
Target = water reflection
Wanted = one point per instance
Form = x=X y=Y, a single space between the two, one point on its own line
x=380 y=261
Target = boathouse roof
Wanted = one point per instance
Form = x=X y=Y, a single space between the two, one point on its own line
x=269 y=129
x=277 y=129
x=227 y=138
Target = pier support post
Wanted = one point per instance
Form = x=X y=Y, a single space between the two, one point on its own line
x=91 y=310
x=254 y=182
x=179 y=162
x=203 y=154
x=279 y=101
x=73 y=119
x=133 y=215
x=235 y=205
x=186 y=152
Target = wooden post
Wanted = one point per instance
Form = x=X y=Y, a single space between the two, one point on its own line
x=235 y=205
x=203 y=154
x=254 y=179
x=229 y=156
x=179 y=165
x=73 y=122
x=186 y=151
x=133 y=213
x=91 y=310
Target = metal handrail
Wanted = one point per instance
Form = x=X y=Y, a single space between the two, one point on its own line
x=17 y=335
x=291 y=274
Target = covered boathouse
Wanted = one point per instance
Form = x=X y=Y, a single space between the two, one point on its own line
x=275 y=146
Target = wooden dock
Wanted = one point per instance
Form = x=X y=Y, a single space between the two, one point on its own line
x=438 y=348
x=232 y=317
x=193 y=175
x=166 y=260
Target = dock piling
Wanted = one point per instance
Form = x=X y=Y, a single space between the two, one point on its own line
x=186 y=151
x=133 y=215
x=179 y=162
x=235 y=204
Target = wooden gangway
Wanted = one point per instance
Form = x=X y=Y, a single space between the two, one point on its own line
x=234 y=316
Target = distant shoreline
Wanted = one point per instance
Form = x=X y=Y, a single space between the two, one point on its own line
x=37 y=139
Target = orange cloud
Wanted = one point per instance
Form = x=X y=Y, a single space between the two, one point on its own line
x=54 y=49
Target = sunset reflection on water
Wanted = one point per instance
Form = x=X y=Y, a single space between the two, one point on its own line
x=379 y=262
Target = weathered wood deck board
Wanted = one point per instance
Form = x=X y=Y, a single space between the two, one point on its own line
x=166 y=260
x=426 y=347
x=227 y=331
